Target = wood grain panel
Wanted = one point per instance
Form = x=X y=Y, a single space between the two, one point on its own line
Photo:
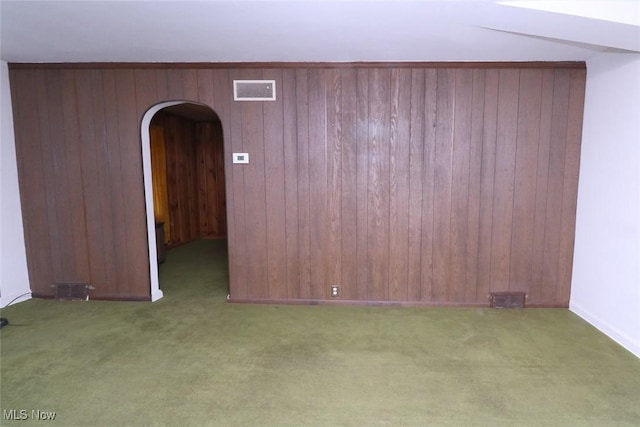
x=487 y=183
x=409 y=184
x=475 y=185
x=117 y=209
x=290 y=166
x=442 y=184
x=505 y=160
x=132 y=188
x=570 y=184
x=275 y=195
x=237 y=213
x=159 y=178
x=527 y=139
x=362 y=142
x=428 y=227
x=55 y=146
x=221 y=105
x=32 y=175
x=253 y=140
x=542 y=181
x=349 y=185
x=74 y=178
x=91 y=183
x=334 y=176
x=194 y=167
x=399 y=151
x=318 y=153
x=105 y=185
x=460 y=176
x=415 y=255
x=557 y=151
x=378 y=188
x=304 y=196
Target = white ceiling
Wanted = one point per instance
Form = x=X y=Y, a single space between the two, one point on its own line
x=315 y=31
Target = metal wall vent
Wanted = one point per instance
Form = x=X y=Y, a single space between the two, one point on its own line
x=254 y=90
x=72 y=291
x=507 y=299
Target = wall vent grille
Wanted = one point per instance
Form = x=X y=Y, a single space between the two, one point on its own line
x=254 y=90
x=507 y=299
x=72 y=291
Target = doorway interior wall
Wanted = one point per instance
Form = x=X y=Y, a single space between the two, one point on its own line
x=192 y=205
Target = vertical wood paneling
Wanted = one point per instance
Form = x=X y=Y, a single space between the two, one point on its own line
x=427 y=228
x=460 y=183
x=210 y=179
x=318 y=227
x=542 y=180
x=334 y=175
x=557 y=151
x=290 y=156
x=105 y=184
x=275 y=190
x=193 y=165
x=362 y=121
x=443 y=157
x=505 y=160
x=59 y=189
x=119 y=247
x=399 y=148
x=349 y=185
x=159 y=179
x=221 y=105
x=33 y=174
x=253 y=139
x=237 y=213
x=475 y=185
x=206 y=170
x=161 y=85
x=570 y=184
x=132 y=188
x=528 y=136
x=426 y=185
x=415 y=255
x=378 y=184
x=89 y=156
x=205 y=179
x=487 y=183
x=304 y=196
x=74 y=179
x=175 y=141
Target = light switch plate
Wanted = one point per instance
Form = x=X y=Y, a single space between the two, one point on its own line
x=241 y=158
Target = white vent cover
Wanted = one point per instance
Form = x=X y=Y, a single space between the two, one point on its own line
x=254 y=90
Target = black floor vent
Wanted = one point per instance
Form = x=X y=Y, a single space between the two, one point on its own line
x=72 y=291
x=507 y=299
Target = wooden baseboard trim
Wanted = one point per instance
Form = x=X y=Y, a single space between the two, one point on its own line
x=97 y=298
x=282 y=301
x=338 y=302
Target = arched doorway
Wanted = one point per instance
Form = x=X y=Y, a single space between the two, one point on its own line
x=188 y=187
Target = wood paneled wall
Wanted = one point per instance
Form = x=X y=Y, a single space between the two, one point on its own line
x=212 y=210
x=403 y=184
x=195 y=178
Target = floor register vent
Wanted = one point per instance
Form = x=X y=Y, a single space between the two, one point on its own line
x=507 y=299
x=72 y=291
x=254 y=90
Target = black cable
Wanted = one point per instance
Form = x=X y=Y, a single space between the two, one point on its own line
x=13 y=300
x=3 y=320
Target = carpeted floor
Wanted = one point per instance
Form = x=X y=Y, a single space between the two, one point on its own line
x=192 y=359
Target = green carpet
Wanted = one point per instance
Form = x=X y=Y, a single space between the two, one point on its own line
x=192 y=359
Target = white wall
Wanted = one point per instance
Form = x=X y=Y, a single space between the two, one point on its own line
x=14 y=279
x=605 y=287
